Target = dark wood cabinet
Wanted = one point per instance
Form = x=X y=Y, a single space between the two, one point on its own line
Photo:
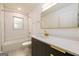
x=55 y=52
x=68 y=54
x=40 y=48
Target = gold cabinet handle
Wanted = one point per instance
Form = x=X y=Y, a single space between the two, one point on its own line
x=59 y=49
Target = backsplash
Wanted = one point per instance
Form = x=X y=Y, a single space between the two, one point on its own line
x=67 y=33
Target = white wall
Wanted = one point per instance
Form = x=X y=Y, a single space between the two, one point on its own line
x=0 y=29
x=1 y=25
x=34 y=21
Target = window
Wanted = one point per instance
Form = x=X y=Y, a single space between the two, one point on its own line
x=18 y=22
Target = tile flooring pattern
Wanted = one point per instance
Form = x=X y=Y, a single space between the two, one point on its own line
x=23 y=51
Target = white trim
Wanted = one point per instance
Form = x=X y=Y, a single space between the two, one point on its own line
x=14 y=11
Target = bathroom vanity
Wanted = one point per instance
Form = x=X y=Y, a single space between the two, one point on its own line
x=62 y=23
x=52 y=47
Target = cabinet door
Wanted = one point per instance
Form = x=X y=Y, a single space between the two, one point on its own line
x=39 y=48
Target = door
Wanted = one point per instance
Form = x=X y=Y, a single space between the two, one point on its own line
x=15 y=30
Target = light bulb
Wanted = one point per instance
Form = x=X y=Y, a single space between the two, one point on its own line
x=19 y=9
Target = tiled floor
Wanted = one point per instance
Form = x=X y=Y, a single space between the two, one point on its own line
x=23 y=51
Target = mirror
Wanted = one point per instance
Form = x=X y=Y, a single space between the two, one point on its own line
x=18 y=23
x=61 y=15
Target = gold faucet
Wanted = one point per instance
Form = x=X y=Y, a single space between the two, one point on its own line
x=45 y=33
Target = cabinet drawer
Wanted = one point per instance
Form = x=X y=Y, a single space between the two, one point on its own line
x=56 y=51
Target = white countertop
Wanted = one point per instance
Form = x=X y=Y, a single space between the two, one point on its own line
x=71 y=46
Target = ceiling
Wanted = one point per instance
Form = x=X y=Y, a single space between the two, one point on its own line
x=25 y=7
